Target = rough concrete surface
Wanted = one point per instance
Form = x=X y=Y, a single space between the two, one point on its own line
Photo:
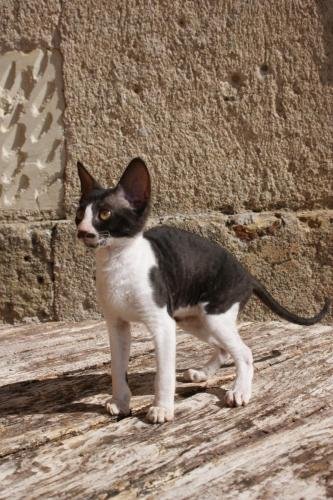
x=230 y=103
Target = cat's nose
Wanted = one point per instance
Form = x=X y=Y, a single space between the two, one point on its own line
x=85 y=234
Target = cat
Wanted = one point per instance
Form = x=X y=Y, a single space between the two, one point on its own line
x=160 y=277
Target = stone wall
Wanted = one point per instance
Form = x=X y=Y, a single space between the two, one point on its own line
x=230 y=104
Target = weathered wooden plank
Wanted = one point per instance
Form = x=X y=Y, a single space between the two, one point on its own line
x=39 y=351
x=71 y=448
x=70 y=403
x=42 y=351
x=295 y=462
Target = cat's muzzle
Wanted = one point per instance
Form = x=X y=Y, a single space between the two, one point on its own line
x=89 y=239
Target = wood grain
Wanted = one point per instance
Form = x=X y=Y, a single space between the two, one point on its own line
x=56 y=440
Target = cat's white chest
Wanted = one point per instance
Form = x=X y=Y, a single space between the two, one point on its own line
x=122 y=280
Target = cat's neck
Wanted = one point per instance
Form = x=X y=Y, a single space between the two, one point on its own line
x=119 y=248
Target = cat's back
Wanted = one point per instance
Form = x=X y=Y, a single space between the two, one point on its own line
x=191 y=257
x=181 y=252
x=194 y=270
x=175 y=242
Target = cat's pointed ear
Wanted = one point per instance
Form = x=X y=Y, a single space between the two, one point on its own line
x=135 y=183
x=88 y=183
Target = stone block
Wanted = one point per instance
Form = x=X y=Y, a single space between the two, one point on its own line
x=74 y=276
x=31 y=134
x=290 y=253
x=27 y=25
x=46 y=273
x=229 y=102
x=26 y=270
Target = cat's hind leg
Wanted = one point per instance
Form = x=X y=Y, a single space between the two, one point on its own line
x=223 y=333
x=196 y=325
x=218 y=359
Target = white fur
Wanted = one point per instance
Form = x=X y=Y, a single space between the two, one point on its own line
x=220 y=331
x=123 y=286
x=86 y=223
x=125 y=294
x=219 y=357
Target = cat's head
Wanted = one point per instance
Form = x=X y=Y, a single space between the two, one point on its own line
x=107 y=216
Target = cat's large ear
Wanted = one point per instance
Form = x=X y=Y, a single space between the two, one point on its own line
x=135 y=183
x=88 y=183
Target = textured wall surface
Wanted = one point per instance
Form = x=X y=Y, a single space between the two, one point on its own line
x=31 y=134
x=230 y=103
x=26 y=270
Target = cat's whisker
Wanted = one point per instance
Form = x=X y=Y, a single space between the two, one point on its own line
x=104 y=237
x=102 y=242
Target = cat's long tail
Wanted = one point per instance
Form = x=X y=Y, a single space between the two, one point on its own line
x=264 y=295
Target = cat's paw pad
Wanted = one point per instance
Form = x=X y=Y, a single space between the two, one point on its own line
x=192 y=375
x=116 y=409
x=159 y=415
x=237 y=397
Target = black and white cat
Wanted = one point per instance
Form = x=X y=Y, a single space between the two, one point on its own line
x=161 y=277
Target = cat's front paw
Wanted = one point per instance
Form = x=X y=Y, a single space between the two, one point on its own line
x=192 y=375
x=159 y=415
x=116 y=408
x=237 y=397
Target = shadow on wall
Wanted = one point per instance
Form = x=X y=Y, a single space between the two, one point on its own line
x=325 y=10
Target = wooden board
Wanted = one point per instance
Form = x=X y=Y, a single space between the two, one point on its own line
x=56 y=440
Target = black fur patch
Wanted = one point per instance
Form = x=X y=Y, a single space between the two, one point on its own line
x=193 y=270
x=160 y=291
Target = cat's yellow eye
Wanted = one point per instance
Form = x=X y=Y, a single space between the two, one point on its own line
x=104 y=214
x=80 y=213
